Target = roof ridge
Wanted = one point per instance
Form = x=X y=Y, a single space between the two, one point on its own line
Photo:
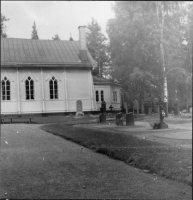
x=42 y=39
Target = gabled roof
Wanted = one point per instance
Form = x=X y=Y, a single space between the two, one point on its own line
x=26 y=52
x=103 y=81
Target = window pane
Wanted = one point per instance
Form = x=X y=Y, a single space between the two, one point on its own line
x=26 y=82
x=8 y=93
x=51 y=94
x=97 y=96
x=56 y=94
x=27 y=94
x=55 y=85
x=51 y=83
x=31 y=87
x=102 y=96
x=8 y=98
x=32 y=94
x=3 y=82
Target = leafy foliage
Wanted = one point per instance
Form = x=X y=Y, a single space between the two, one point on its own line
x=3 y=26
x=34 y=34
x=146 y=41
x=97 y=46
x=56 y=37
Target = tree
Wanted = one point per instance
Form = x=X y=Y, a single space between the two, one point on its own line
x=145 y=42
x=56 y=37
x=71 y=39
x=180 y=81
x=34 y=34
x=96 y=44
x=135 y=59
x=3 y=27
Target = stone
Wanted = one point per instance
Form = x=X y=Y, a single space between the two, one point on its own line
x=79 y=114
x=142 y=109
x=136 y=107
x=79 y=106
x=102 y=118
x=129 y=119
x=126 y=109
x=119 y=119
x=164 y=126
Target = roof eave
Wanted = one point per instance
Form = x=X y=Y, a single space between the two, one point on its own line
x=107 y=83
x=44 y=65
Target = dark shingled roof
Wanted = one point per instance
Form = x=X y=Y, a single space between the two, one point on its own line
x=41 y=53
x=102 y=81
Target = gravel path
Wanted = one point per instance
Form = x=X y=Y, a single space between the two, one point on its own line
x=36 y=164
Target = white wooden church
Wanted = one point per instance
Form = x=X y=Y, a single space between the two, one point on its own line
x=49 y=76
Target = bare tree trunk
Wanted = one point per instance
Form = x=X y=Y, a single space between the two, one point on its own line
x=161 y=26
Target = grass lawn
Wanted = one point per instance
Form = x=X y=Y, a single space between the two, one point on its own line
x=153 y=157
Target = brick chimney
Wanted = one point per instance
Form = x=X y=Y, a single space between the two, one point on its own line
x=82 y=40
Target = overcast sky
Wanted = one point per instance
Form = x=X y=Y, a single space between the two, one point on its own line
x=51 y=17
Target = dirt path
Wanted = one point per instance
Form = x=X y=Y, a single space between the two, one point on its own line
x=36 y=164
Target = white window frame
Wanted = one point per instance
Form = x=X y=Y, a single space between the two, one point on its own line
x=30 y=95
x=55 y=90
x=5 y=89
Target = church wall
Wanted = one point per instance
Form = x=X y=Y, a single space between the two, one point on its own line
x=115 y=104
x=34 y=105
x=107 y=99
x=108 y=96
x=54 y=105
x=73 y=85
x=79 y=88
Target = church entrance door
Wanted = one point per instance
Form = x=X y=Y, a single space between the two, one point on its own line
x=79 y=106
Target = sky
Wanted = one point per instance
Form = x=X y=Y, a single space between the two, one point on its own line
x=54 y=17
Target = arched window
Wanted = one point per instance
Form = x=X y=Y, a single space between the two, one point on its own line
x=5 y=84
x=102 y=95
x=97 y=95
x=29 y=88
x=53 y=88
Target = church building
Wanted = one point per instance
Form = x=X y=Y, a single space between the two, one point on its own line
x=47 y=76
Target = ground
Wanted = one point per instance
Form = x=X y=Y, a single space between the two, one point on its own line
x=37 y=164
x=179 y=135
